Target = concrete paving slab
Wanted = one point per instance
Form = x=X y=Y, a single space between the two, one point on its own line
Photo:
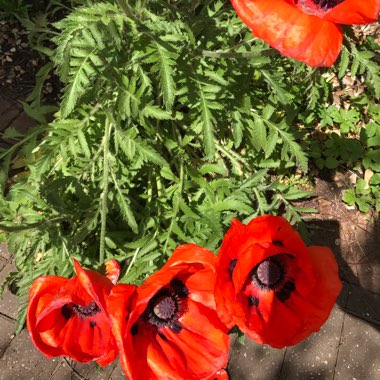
x=117 y=373
x=252 y=361
x=3 y=263
x=22 y=361
x=359 y=349
x=365 y=304
x=9 y=302
x=359 y=352
x=69 y=370
x=7 y=328
x=4 y=252
x=315 y=358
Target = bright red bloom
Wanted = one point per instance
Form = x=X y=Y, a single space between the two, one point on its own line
x=68 y=317
x=173 y=331
x=271 y=285
x=307 y=30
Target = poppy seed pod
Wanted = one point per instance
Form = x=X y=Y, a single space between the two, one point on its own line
x=306 y=30
x=273 y=287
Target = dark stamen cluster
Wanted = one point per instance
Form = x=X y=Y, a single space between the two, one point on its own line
x=86 y=311
x=83 y=311
x=318 y=7
x=167 y=306
x=327 y=4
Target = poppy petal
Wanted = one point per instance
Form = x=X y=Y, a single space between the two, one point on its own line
x=295 y=34
x=164 y=366
x=112 y=270
x=192 y=253
x=203 y=331
x=40 y=287
x=354 y=12
x=119 y=304
x=96 y=285
x=201 y=359
x=323 y=296
x=220 y=375
x=202 y=285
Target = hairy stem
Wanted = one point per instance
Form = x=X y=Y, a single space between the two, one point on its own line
x=104 y=195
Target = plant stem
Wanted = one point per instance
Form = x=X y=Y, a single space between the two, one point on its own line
x=126 y=9
x=176 y=205
x=32 y=225
x=104 y=195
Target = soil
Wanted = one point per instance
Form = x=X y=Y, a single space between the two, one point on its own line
x=19 y=63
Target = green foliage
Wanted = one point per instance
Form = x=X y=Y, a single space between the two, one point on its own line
x=364 y=196
x=174 y=120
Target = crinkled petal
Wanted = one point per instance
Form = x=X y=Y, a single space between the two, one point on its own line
x=119 y=304
x=220 y=375
x=95 y=284
x=112 y=271
x=298 y=35
x=41 y=287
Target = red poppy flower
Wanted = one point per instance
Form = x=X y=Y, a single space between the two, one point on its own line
x=68 y=317
x=307 y=30
x=271 y=285
x=173 y=331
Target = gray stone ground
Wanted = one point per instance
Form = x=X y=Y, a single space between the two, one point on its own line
x=346 y=348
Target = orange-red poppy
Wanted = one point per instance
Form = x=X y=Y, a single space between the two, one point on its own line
x=307 y=30
x=173 y=331
x=68 y=317
x=273 y=287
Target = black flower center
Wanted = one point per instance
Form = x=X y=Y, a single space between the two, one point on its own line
x=327 y=4
x=83 y=311
x=317 y=7
x=269 y=273
x=167 y=306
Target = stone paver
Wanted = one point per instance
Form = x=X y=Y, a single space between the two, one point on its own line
x=315 y=358
x=252 y=361
x=359 y=349
x=3 y=263
x=22 y=361
x=88 y=371
x=7 y=329
x=9 y=302
x=4 y=254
